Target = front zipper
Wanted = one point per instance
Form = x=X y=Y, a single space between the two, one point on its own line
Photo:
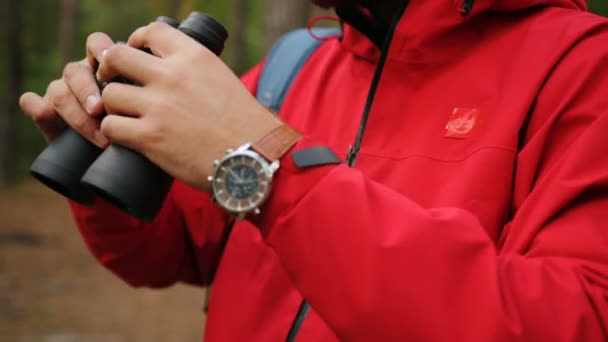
x=353 y=151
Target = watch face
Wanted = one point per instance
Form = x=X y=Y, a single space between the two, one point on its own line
x=241 y=182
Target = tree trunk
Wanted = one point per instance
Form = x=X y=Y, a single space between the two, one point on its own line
x=9 y=106
x=239 y=35
x=281 y=16
x=68 y=29
x=174 y=7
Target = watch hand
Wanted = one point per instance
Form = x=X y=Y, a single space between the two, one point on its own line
x=238 y=179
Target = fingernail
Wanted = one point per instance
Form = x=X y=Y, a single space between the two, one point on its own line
x=91 y=103
x=100 y=139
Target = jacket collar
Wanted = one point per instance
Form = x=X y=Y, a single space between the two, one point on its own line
x=427 y=28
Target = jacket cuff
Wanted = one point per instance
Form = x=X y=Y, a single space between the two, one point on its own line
x=290 y=184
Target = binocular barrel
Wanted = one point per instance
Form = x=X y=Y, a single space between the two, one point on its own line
x=81 y=171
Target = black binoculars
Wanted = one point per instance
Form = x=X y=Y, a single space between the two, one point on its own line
x=79 y=170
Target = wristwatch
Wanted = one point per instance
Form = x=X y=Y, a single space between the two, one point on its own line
x=242 y=180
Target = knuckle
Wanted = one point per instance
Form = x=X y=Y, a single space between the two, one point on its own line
x=50 y=89
x=113 y=55
x=78 y=79
x=174 y=78
x=175 y=75
x=110 y=56
x=70 y=70
x=156 y=27
x=57 y=93
x=140 y=31
x=95 y=39
x=162 y=105
x=75 y=70
x=151 y=132
x=201 y=53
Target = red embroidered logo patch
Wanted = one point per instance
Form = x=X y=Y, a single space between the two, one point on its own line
x=464 y=123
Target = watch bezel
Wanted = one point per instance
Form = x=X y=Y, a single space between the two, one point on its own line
x=264 y=170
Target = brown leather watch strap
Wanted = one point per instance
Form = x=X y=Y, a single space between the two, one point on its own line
x=276 y=143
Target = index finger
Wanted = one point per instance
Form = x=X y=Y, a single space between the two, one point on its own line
x=161 y=38
x=97 y=43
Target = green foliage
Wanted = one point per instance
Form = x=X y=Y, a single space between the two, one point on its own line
x=598 y=6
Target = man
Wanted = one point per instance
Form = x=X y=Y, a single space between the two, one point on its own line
x=477 y=208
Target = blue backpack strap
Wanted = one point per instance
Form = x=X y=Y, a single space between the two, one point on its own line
x=284 y=61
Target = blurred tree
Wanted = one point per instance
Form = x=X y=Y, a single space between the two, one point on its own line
x=9 y=101
x=598 y=6
x=240 y=25
x=69 y=25
x=174 y=8
x=281 y=16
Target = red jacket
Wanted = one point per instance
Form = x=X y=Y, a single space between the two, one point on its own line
x=477 y=211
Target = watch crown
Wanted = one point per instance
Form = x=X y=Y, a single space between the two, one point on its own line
x=256 y=211
x=210 y=179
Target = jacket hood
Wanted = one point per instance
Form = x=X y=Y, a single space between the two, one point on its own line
x=426 y=24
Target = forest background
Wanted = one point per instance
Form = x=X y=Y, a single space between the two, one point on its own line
x=51 y=289
x=38 y=37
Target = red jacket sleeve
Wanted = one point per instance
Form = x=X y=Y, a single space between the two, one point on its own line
x=159 y=253
x=378 y=267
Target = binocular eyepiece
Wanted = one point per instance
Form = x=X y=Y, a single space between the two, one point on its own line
x=81 y=171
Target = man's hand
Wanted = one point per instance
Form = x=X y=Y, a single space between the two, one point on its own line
x=189 y=109
x=73 y=100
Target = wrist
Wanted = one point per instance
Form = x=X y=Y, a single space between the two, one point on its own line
x=242 y=179
x=274 y=145
x=254 y=126
x=268 y=135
